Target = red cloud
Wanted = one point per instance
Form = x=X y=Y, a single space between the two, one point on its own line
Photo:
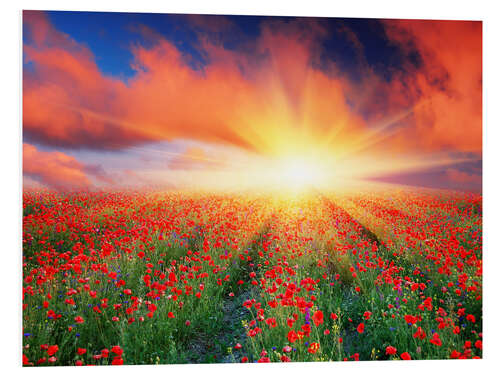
x=446 y=88
x=54 y=169
x=58 y=170
x=68 y=102
x=456 y=175
x=266 y=102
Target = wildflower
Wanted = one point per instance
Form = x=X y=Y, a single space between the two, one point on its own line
x=117 y=350
x=313 y=347
x=117 y=361
x=318 y=318
x=405 y=356
x=52 y=349
x=390 y=350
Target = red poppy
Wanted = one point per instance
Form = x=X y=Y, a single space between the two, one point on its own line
x=361 y=328
x=117 y=350
x=52 y=349
x=117 y=361
x=292 y=337
x=313 y=347
x=390 y=350
x=318 y=318
x=436 y=340
x=406 y=356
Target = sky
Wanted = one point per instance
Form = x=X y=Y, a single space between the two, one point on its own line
x=124 y=100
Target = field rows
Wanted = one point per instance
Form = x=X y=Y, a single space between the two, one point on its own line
x=131 y=278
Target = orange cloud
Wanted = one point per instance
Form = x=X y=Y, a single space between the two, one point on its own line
x=54 y=169
x=194 y=158
x=275 y=101
x=446 y=88
x=458 y=176
x=58 y=170
x=271 y=101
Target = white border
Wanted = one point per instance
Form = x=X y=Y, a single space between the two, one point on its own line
x=10 y=285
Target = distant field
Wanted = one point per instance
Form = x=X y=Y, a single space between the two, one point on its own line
x=130 y=278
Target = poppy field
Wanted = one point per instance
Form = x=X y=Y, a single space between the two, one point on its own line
x=119 y=278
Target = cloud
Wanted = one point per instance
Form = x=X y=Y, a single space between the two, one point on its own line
x=58 y=170
x=456 y=175
x=444 y=84
x=272 y=95
x=194 y=158
x=235 y=99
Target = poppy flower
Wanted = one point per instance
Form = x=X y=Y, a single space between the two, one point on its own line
x=405 y=356
x=471 y=318
x=436 y=340
x=52 y=349
x=361 y=328
x=313 y=347
x=117 y=350
x=81 y=351
x=390 y=350
x=317 y=318
x=117 y=361
x=292 y=336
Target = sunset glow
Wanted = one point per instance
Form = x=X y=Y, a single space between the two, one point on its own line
x=300 y=101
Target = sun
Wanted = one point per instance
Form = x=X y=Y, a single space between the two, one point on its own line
x=299 y=174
